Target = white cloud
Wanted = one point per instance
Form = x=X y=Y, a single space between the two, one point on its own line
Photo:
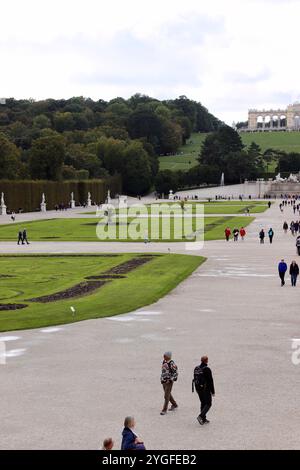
x=228 y=54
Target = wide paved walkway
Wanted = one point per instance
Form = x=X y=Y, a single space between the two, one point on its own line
x=72 y=386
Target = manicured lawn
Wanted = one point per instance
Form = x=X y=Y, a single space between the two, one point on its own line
x=187 y=154
x=35 y=276
x=85 y=229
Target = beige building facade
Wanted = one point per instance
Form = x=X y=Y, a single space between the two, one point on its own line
x=275 y=119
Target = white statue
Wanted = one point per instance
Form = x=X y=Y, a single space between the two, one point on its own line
x=278 y=178
x=171 y=195
x=293 y=178
x=89 y=200
x=43 y=203
x=72 y=202
x=2 y=206
x=108 y=197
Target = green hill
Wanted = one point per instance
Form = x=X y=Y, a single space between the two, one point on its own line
x=187 y=155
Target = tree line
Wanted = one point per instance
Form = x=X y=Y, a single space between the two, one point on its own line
x=80 y=138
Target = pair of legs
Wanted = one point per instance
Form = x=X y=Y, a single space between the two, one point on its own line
x=168 y=396
x=205 y=403
x=281 y=275
x=271 y=238
x=294 y=279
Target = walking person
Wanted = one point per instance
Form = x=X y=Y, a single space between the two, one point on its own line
x=292 y=228
x=236 y=234
x=285 y=227
x=294 y=272
x=20 y=237
x=271 y=234
x=269 y=204
x=204 y=384
x=24 y=237
x=227 y=233
x=242 y=233
x=130 y=441
x=169 y=375
x=282 y=268
x=262 y=236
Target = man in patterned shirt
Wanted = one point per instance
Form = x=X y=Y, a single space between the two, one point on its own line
x=169 y=375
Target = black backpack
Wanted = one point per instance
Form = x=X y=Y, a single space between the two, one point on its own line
x=199 y=380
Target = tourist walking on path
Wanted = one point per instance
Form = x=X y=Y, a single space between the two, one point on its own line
x=130 y=441
x=169 y=375
x=227 y=233
x=294 y=272
x=271 y=235
x=285 y=227
x=242 y=233
x=292 y=227
x=20 y=237
x=24 y=237
x=204 y=384
x=262 y=236
x=269 y=204
x=236 y=234
x=282 y=268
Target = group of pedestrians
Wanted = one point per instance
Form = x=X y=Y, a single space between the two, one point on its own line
x=293 y=271
x=22 y=237
x=236 y=233
x=202 y=382
x=294 y=227
x=262 y=235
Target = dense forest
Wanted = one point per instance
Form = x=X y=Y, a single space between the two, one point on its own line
x=81 y=139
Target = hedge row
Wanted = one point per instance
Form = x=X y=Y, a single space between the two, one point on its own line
x=27 y=195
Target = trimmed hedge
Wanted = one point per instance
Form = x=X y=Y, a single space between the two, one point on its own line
x=27 y=195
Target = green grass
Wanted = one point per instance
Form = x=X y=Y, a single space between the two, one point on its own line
x=287 y=141
x=189 y=152
x=84 y=230
x=39 y=275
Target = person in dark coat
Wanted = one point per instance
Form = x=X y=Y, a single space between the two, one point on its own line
x=208 y=391
x=20 y=237
x=24 y=237
x=294 y=272
x=282 y=268
x=285 y=227
x=271 y=235
x=262 y=236
x=130 y=441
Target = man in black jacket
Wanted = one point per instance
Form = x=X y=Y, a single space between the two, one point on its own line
x=206 y=391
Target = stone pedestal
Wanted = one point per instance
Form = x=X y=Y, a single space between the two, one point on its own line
x=43 y=207
x=171 y=195
x=2 y=209
x=72 y=204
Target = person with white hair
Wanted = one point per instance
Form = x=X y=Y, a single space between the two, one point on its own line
x=130 y=441
x=169 y=375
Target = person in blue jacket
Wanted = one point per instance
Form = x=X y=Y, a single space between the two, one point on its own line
x=130 y=441
x=282 y=268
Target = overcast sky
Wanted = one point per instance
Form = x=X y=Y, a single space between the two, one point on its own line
x=229 y=54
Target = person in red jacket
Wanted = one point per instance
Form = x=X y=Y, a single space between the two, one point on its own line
x=227 y=233
x=242 y=233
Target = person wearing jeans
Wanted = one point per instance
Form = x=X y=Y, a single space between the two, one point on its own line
x=169 y=375
x=294 y=272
